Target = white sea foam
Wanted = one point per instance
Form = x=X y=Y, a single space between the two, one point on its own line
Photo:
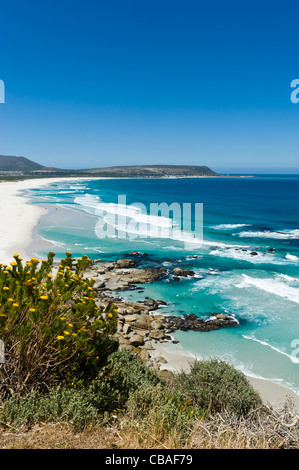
x=271 y=285
x=229 y=226
x=283 y=234
x=275 y=348
x=292 y=257
x=241 y=255
x=131 y=220
x=291 y=280
x=87 y=201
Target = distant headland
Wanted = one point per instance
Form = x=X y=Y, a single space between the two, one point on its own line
x=12 y=167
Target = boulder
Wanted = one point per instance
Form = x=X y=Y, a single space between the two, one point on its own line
x=157 y=334
x=220 y=316
x=124 y=263
x=127 y=328
x=183 y=272
x=156 y=325
x=136 y=340
x=131 y=318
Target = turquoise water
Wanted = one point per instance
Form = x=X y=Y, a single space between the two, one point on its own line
x=240 y=216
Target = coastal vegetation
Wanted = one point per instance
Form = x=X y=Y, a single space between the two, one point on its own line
x=66 y=375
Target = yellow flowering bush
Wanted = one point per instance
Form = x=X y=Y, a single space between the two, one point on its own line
x=51 y=325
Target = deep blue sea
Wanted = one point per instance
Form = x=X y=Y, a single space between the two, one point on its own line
x=240 y=216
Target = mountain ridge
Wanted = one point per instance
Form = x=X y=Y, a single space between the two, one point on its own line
x=25 y=166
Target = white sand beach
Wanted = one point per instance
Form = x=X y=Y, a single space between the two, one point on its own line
x=19 y=218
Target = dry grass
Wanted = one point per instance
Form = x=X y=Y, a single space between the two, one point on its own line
x=260 y=430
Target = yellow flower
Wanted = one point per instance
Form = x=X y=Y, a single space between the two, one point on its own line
x=13 y=263
x=84 y=329
x=44 y=297
x=15 y=305
x=89 y=288
x=66 y=285
x=10 y=300
x=60 y=337
x=62 y=318
x=68 y=253
x=110 y=315
x=5 y=288
x=29 y=264
x=74 y=334
x=6 y=272
x=2 y=315
x=15 y=256
x=32 y=310
x=66 y=332
x=49 y=275
x=70 y=325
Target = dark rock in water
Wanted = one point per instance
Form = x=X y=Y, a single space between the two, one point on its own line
x=183 y=272
x=193 y=322
x=124 y=263
x=271 y=250
x=254 y=253
x=175 y=278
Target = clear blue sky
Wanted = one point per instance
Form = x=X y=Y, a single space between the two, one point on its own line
x=100 y=83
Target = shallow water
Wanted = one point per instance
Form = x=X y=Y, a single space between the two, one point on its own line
x=240 y=216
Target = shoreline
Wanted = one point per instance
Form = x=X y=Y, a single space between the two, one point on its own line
x=19 y=216
x=271 y=393
x=20 y=219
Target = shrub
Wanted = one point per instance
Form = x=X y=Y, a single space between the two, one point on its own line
x=217 y=386
x=78 y=407
x=52 y=329
x=125 y=374
x=163 y=412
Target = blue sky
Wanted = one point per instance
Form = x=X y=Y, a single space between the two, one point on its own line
x=100 y=83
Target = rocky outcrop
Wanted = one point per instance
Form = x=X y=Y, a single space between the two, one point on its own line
x=122 y=275
x=193 y=322
x=183 y=272
x=139 y=327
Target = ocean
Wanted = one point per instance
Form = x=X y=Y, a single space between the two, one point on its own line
x=247 y=264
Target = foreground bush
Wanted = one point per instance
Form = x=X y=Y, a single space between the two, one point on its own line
x=131 y=406
x=52 y=329
x=83 y=406
x=217 y=386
